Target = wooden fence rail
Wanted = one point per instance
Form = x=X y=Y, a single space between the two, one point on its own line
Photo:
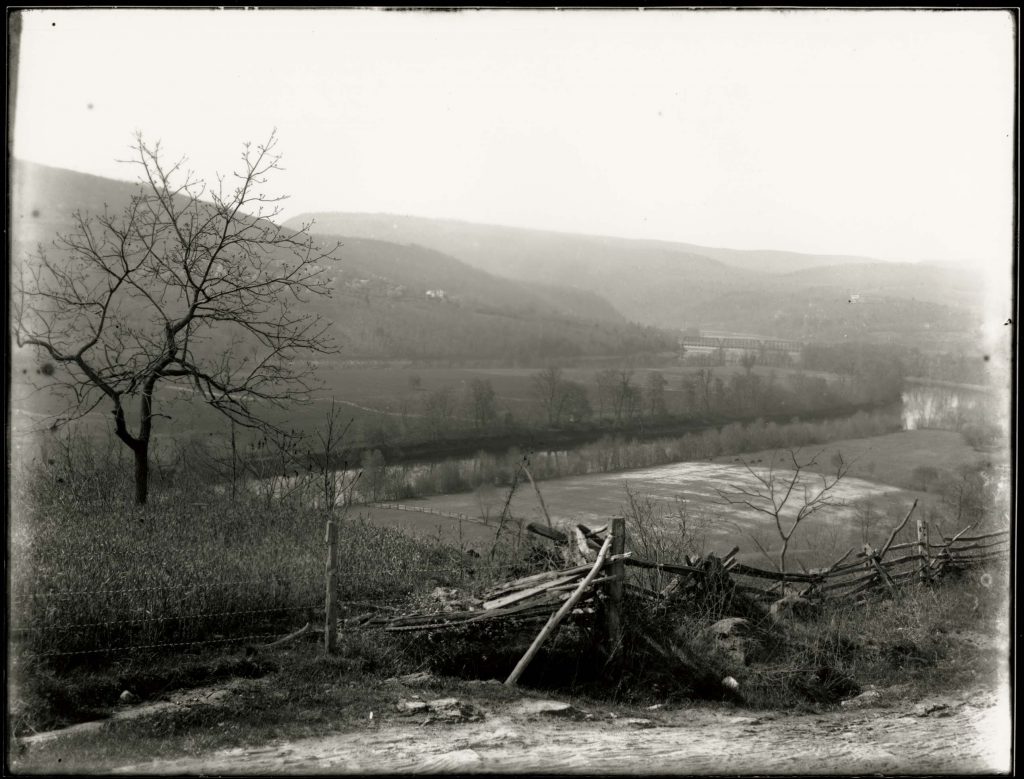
x=887 y=568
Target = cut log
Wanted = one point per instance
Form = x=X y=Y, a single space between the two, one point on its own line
x=515 y=597
x=548 y=532
x=582 y=550
x=667 y=567
x=759 y=573
x=537 y=578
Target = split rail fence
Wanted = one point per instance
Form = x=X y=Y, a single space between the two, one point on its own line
x=596 y=582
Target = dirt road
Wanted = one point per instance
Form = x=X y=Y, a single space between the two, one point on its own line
x=964 y=734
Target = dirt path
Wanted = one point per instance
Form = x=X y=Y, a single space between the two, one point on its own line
x=969 y=733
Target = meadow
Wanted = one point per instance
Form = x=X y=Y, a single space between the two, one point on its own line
x=880 y=486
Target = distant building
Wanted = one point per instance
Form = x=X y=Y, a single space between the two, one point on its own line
x=436 y=294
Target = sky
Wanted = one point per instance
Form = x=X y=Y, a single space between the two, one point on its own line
x=879 y=133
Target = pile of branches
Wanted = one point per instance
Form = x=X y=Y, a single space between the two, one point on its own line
x=529 y=598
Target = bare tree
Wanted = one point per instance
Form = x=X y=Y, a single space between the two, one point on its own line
x=547 y=386
x=704 y=379
x=439 y=409
x=482 y=402
x=655 y=392
x=615 y=387
x=773 y=491
x=190 y=284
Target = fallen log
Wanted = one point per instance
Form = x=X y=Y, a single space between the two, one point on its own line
x=581 y=550
x=527 y=593
x=537 y=578
x=667 y=567
x=759 y=573
x=548 y=532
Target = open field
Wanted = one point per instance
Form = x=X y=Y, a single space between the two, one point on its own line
x=874 y=496
x=890 y=459
x=592 y=499
x=473 y=534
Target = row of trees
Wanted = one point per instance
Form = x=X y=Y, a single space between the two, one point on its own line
x=617 y=398
x=619 y=395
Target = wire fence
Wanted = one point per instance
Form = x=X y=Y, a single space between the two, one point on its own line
x=193 y=610
x=103 y=621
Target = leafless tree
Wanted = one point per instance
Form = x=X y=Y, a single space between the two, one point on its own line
x=615 y=387
x=704 y=379
x=191 y=284
x=482 y=402
x=547 y=386
x=655 y=392
x=773 y=491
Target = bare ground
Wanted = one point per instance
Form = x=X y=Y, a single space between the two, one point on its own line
x=961 y=733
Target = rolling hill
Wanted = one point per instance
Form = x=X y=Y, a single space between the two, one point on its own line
x=389 y=300
x=677 y=285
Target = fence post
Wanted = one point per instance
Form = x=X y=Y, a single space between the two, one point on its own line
x=331 y=606
x=922 y=545
x=616 y=587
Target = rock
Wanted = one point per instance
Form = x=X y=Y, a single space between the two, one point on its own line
x=454 y=710
x=734 y=638
x=933 y=710
x=793 y=607
x=447 y=709
x=127 y=697
x=636 y=722
x=866 y=700
x=555 y=709
x=408 y=708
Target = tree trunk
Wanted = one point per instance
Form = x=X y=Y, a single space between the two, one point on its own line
x=141 y=450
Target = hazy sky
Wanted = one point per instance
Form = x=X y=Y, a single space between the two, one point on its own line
x=887 y=134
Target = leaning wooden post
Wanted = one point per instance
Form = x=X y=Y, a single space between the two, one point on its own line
x=559 y=615
x=540 y=497
x=922 y=546
x=616 y=587
x=331 y=609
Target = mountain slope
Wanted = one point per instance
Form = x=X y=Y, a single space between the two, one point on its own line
x=388 y=300
x=675 y=285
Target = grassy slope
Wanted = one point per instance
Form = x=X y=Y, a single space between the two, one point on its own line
x=932 y=642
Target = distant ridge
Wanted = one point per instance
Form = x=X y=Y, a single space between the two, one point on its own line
x=678 y=285
x=390 y=300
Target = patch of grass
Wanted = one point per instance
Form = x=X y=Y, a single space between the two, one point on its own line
x=46 y=699
x=925 y=640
